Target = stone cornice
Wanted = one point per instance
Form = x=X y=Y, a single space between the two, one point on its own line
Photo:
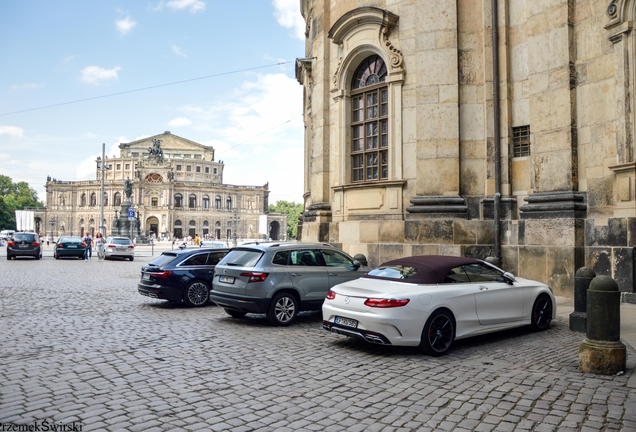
x=358 y=17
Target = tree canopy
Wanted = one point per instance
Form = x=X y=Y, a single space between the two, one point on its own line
x=15 y=196
x=294 y=212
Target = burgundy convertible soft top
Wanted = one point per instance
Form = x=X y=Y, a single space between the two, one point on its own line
x=431 y=269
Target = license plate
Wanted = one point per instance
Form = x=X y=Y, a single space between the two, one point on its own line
x=121 y=249
x=346 y=322
x=22 y=246
x=146 y=276
x=226 y=279
x=72 y=247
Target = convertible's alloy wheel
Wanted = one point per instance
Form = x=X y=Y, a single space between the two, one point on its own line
x=542 y=313
x=438 y=334
x=197 y=294
x=283 y=310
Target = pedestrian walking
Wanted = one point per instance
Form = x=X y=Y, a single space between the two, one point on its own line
x=135 y=241
x=88 y=248
x=99 y=244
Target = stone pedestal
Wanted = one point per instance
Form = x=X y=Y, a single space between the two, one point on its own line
x=602 y=358
x=582 y=280
x=123 y=227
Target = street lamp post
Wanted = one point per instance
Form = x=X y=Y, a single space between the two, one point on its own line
x=236 y=219
x=52 y=224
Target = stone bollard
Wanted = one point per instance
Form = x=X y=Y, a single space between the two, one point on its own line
x=602 y=352
x=582 y=280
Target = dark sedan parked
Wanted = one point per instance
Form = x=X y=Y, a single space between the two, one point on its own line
x=181 y=275
x=24 y=244
x=68 y=246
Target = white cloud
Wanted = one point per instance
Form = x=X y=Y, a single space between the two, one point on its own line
x=193 y=6
x=97 y=75
x=12 y=131
x=180 y=121
x=27 y=86
x=287 y=13
x=177 y=51
x=259 y=134
x=88 y=167
x=125 y=25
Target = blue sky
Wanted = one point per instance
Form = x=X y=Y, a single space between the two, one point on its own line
x=55 y=52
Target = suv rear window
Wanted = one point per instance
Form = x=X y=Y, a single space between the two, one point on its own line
x=242 y=257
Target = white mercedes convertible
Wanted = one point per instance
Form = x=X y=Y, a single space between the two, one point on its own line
x=429 y=301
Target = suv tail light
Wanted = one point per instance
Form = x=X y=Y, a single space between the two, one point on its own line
x=331 y=295
x=386 y=303
x=255 y=276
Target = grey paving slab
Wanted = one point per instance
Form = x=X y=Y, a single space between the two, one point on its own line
x=92 y=350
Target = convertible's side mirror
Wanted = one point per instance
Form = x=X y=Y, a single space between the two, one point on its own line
x=509 y=277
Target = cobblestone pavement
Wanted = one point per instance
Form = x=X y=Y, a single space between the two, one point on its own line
x=80 y=345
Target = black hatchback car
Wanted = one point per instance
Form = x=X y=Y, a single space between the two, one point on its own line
x=181 y=275
x=24 y=244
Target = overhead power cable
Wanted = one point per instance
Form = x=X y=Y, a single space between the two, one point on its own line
x=262 y=133
x=148 y=88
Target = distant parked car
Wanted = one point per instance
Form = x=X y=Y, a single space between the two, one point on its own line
x=121 y=247
x=68 y=246
x=280 y=279
x=212 y=243
x=429 y=301
x=181 y=275
x=24 y=244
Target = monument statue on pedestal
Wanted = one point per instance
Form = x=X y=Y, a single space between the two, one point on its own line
x=128 y=188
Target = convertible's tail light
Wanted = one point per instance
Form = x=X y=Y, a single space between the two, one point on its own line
x=161 y=275
x=331 y=295
x=255 y=276
x=386 y=303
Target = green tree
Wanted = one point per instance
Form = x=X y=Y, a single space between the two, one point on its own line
x=294 y=212
x=15 y=196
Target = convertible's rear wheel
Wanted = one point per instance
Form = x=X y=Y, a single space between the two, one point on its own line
x=541 y=313
x=235 y=313
x=196 y=294
x=438 y=334
x=283 y=309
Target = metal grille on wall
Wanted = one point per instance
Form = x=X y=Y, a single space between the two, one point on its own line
x=521 y=141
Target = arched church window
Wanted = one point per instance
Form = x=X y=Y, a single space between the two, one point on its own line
x=369 y=134
x=178 y=200
x=228 y=203
x=192 y=201
x=206 y=202
x=217 y=202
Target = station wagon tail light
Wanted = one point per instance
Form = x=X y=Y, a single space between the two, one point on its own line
x=386 y=303
x=131 y=247
x=161 y=275
x=255 y=276
x=331 y=295
x=112 y=246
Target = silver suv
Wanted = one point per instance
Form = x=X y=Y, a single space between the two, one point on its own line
x=280 y=279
